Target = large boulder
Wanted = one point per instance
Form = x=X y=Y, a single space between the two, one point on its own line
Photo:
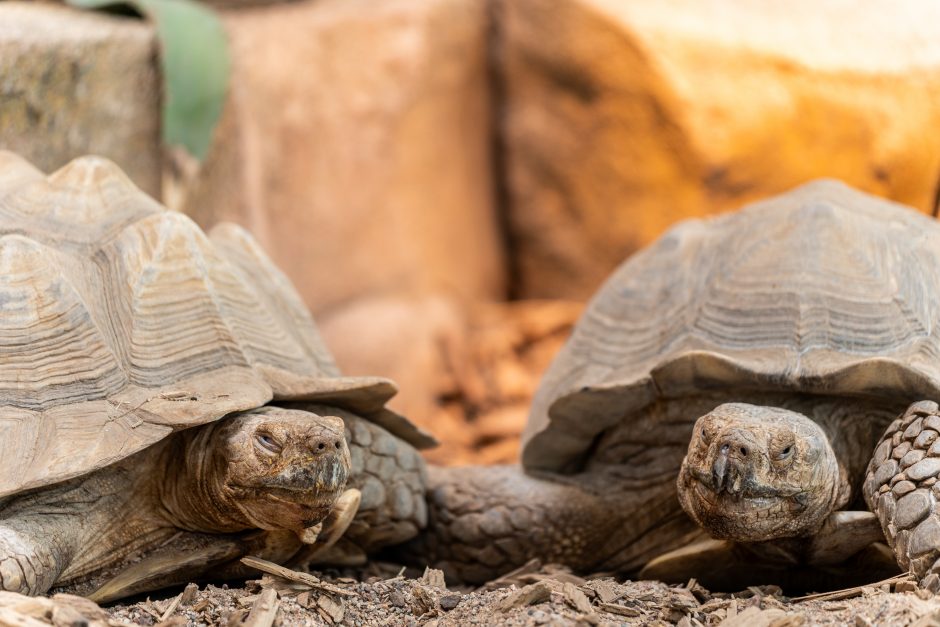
x=624 y=116
x=356 y=145
x=74 y=83
x=467 y=374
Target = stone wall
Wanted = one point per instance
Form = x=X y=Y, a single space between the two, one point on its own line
x=75 y=83
x=625 y=116
x=356 y=145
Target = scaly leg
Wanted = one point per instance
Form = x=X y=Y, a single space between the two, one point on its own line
x=31 y=557
x=902 y=489
x=485 y=521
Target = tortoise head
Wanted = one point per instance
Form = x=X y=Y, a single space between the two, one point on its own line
x=759 y=473
x=281 y=468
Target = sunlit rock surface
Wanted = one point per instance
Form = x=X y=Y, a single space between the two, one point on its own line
x=625 y=116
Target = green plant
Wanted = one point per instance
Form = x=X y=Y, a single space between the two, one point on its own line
x=195 y=64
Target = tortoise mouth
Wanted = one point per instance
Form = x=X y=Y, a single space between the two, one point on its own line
x=305 y=496
x=743 y=517
x=746 y=506
x=745 y=489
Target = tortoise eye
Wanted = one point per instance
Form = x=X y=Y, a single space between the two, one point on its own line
x=266 y=442
x=786 y=452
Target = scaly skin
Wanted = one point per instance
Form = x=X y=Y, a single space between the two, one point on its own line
x=485 y=521
x=623 y=508
x=757 y=473
x=264 y=469
x=771 y=477
x=902 y=489
x=391 y=475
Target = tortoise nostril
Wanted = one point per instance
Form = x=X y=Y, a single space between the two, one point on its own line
x=320 y=446
x=337 y=445
x=744 y=451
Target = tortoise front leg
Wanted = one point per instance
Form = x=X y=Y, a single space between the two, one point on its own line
x=901 y=488
x=486 y=521
x=32 y=556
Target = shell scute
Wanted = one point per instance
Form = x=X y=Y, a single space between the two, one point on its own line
x=121 y=322
x=823 y=290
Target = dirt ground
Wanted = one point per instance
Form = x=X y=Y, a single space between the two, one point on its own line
x=541 y=596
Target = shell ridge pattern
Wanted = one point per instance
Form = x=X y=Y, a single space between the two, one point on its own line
x=263 y=344
x=300 y=338
x=821 y=290
x=51 y=347
x=174 y=321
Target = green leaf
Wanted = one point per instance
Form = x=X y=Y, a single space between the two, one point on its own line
x=195 y=65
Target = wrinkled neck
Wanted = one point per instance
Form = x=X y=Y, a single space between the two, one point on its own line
x=192 y=494
x=853 y=429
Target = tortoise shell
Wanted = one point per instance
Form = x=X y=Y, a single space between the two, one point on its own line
x=121 y=322
x=823 y=290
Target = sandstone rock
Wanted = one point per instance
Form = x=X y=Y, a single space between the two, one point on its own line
x=624 y=116
x=74 y=83
x=414 y=340
x=355 y=145
x=465 y=375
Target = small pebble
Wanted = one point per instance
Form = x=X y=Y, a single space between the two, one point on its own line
x=450 y=601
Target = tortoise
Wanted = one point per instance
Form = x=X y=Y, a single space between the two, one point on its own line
x=167 y=405
x=720 y=401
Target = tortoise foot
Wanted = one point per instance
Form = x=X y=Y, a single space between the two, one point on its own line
x=902 y=489
x=24 y=566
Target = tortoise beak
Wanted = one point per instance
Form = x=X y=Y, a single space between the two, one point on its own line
x=720 y=471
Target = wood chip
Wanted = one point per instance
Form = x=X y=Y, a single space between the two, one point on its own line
x=189 y=594
x=264 y=610
x=333 y=608
x=435 y=578
x=293 y=575
x=681 y=599
x=619 y=610
x=848 y=593
x=715 y=604
x=511 y=578
x=235 y=618
x=172 y=607
x=529 y=595
x=423 y=601
x=606 y=590
x=9 y=616
x=148 y=607
x=753 y=617
x=576 y=599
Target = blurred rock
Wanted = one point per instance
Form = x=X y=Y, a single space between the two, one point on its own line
x=415 y=341
x=466 y=377
x=356 y=145
x=74 y=83
x=624 y=116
